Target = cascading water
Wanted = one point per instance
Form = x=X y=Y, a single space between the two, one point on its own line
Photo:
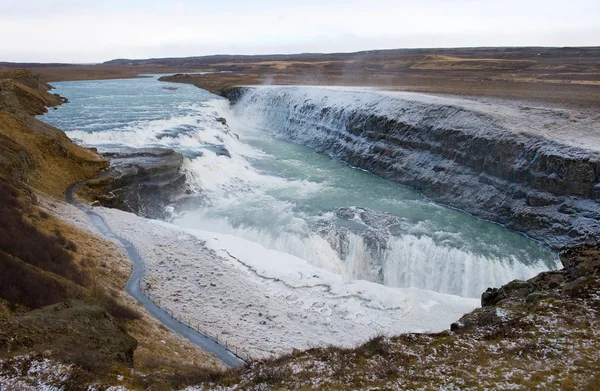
x=287 y=197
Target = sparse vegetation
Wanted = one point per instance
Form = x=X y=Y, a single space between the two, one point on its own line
x=30 y=260
x=570 y=76
x=23 y=286
x=548 y=340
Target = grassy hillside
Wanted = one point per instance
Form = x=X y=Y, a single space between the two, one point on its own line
x=62 y=304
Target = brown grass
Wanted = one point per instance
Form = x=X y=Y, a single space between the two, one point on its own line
x=30 y=258
x=57 y=161
x=100 y=72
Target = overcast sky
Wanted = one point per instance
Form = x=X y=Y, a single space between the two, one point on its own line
x=96 y=31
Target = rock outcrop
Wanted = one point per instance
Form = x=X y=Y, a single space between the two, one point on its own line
x=541 y=333
x=142 y=181
x=580 y=278
x=22 y=93
x=534 y=170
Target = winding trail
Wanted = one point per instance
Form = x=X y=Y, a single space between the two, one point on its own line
x=133 y=288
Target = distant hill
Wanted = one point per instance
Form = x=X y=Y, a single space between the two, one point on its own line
x=16 y=65
x=580 y=53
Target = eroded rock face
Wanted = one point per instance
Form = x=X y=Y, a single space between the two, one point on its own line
x=23 y=93
x=581 y=268
x=32 y=152
x=507 y=164
x=142 y=181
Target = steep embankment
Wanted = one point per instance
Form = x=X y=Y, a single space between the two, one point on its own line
x=32 y=152
x=44 y=261
x=40 y=155
x=536 y=170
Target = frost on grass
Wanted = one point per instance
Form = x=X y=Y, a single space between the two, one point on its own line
x=545 y=335
x=33 y=373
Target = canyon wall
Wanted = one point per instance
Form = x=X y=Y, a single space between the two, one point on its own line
x=535 y=170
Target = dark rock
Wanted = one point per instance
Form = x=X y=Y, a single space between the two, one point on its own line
x=488 y=297
x=596 y=191
x=535 y=198
x=578 y=279
x=345 y=213
x=142 y=181
x=533 y=297
x=566 y=208
x=514 y=290
x=574 y=287
x=548 y=280
x=220 y=150
x=233 y=94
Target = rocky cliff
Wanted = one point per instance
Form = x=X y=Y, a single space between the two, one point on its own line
x=50 y=304
x=142 y=181
x=535 y=170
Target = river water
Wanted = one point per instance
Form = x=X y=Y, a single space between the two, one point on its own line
x=287 y=197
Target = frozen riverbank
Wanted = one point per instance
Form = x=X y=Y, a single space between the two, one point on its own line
x=270 y=302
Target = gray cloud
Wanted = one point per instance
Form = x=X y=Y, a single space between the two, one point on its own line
x=90 y=31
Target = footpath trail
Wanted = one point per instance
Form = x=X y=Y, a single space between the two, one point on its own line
x=133 y=287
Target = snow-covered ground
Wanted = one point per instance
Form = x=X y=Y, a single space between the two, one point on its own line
x=267 y=302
